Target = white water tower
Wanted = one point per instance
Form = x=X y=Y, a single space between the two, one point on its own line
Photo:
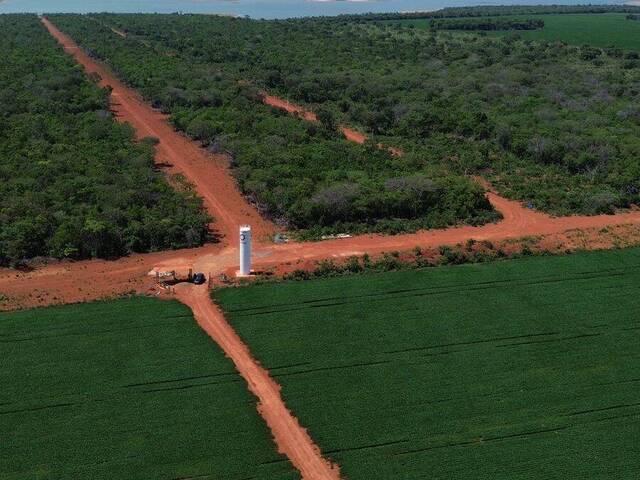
x=245 y=250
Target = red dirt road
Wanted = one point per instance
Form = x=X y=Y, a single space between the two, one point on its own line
x=290 y=108
x=208 y=173
x=292 y=440
x=88 y=280
x=349 y=133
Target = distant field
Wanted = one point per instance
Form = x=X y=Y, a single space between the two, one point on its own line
x=129 y=389
x=524 y=369
x=584 y=29
x=600 y=30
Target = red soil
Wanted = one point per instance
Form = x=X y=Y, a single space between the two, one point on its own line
x=208 y=173
x=353 y=135
x=349 y=133
x=87 y=280
x=292 y=440
x=290 y=108
x=81 y=281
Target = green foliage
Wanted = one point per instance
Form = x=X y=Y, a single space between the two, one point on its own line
x=489 y=24
x=608 y=31
x=522 y=369
x=128 y=389
x=549 y=123
x=72 y=181
x=304 y=176
x=499 y=10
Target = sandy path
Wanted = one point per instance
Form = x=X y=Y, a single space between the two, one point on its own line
x=113 y=29
x=292 y=440
x=208 y=173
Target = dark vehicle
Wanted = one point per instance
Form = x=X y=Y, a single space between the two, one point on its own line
x=199 y=279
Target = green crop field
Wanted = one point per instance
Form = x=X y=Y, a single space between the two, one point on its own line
x=599 y=30
x=523 y=369
x=128 y=389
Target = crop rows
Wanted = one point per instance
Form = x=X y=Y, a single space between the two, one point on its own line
x=127 y=389
x=521 y=369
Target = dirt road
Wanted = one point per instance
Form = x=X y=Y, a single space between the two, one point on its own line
x=349 y=133
x=88 y=280
x=208 y=173
x=292 y=440
x=92 y=279
x=282 y=104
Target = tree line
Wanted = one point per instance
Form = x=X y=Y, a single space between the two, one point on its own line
x=488 y=24
x=73 y=182
x=554 y=125
x=498 y=10
x=305 y=176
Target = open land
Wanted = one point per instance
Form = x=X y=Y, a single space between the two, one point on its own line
x=598 y=30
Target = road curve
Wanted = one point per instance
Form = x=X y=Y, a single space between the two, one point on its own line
x=292 y=440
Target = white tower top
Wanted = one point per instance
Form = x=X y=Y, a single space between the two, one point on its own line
x=245 y=250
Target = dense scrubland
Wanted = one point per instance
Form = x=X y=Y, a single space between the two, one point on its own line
x=521 y=369
x=73 y=183
x=125 y=389
x=552 y=124
x=305 y=176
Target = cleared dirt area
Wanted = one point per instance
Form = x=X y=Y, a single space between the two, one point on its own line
x=292 y=440
x=88 y=280
x=208 y=173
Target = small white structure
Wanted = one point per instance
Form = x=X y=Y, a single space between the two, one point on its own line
x=245 y=251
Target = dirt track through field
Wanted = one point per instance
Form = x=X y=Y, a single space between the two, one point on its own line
x=208 y=173
x=292 y=440
x=88 y=280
